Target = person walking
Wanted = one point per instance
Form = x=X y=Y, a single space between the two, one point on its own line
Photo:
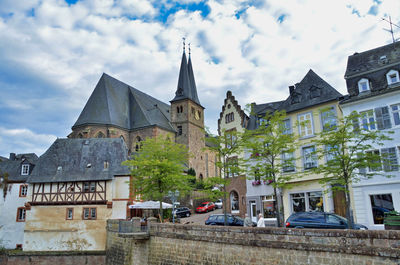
x=247 y=221
x=260 y=222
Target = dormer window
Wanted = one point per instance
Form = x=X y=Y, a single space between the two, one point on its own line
x=25 y=169
x=392 y=77
x=363 y=85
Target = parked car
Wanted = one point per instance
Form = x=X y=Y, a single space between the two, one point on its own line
x=219 y=219
x=182 y=212
x=205 y=207
x=218 y=204
x=320 y=220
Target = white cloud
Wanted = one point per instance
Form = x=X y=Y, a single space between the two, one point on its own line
x=238 y=46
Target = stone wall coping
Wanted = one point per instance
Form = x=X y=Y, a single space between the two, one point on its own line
x=57 y=253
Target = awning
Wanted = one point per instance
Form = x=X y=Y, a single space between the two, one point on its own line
x=150 y=205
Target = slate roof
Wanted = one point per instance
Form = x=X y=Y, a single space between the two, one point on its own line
x=13 y=166
x=371 y=59
x=311 y=91
x=69 y=160
x=116 y=103
x=302 y=91
x=372 y=65
x=186 y=84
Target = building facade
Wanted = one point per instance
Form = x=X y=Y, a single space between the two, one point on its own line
x=13 y=196
x=373 y=84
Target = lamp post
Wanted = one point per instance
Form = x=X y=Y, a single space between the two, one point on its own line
x=173 y=195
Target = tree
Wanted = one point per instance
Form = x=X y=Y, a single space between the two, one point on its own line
x=227 y=146
x=271 y=146
x=347 y=148
x=158 y=167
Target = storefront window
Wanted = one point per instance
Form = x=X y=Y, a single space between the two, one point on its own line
x=234 y=201
x=307 y=201
x=269 y=206
x=381 y=204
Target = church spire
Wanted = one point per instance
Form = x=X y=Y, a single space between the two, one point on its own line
x=186 y=84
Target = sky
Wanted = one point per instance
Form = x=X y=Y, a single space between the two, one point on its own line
x=53 y=52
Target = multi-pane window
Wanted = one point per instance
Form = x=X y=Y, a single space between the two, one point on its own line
x=23 y=190
x=70 y=214
x=288 y=162
x=368 y=120
x=85 y=186
x=21 y=213
x=307 y=201
x=309 y=157
x=389 y=157
x=25 y=169
x=328 y=119
x=306 y=124
x=92 y=186
x=392 y=77
x=363 y=85
x=331 y=152
x=89 y=213
x=269 y=206
x=180 y=130
x=375 y=162
x=230 y=117
x=287 y=129
x=396 y=114
x=383 y=118
x=380 y=204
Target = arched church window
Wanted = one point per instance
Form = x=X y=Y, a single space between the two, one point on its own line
x=80 y=135
x=100 y=135
x=181 y=109
x=138 y=144
x=177 y=109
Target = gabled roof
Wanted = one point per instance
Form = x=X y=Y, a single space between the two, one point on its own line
x=186 y=84
x=116 y=103
x=373 y=59
x=81 y=160
x=261 y=110
x=13 y=166
x=243 y=116
x=301 y=97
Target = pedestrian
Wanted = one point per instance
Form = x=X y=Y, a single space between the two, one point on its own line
x=247 y=221
x=260 y=222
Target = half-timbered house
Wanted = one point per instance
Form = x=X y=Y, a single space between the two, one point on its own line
x=76 y=186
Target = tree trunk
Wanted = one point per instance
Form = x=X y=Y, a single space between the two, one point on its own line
x=224 y=203
x=277 y=208
x=161 y=212
x=349 y=216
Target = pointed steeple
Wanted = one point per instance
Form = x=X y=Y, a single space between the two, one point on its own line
x=186 y=84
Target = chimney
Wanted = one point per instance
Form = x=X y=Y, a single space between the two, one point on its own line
x=12 y=156
x=291 y=89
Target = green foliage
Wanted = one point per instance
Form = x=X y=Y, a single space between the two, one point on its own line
x=191 y=172
x=347 y=149
x=268 y=144
x=4 y=183
x=158 y=167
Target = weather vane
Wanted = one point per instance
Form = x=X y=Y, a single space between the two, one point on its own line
x=391 y=27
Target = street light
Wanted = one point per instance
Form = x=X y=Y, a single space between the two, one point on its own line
x=173 y=195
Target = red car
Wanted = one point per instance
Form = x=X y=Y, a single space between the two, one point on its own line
x=205 y=207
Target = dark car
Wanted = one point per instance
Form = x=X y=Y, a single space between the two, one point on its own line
x=182 y=212
x=218 y=219
x=320 y=220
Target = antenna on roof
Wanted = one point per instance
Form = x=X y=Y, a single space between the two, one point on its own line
x=391 y=27
x=184 y=43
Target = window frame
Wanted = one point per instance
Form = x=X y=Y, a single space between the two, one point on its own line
x=314 y=156
x=67 y=214
x=287 y=130
x=377 y=169
x=371 y=126
x=360 y=85
x=389 y=77
x=306 y=135
x=284 y=159
x=393 y=112
x=23 y=190
x=307 y=199
x=21 y=210
x=25 y=169
x=90 y=211
x=332 y=110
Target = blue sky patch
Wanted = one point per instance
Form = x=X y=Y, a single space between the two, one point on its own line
x=71 y=2
x=281 y=18
x=170 y=8
x=373 y=10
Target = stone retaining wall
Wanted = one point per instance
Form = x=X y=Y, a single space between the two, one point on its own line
x=53 y=257
x=192 y=244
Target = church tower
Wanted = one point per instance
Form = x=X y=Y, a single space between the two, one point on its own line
x=187 y=116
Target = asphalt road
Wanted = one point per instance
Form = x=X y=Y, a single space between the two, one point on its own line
x=198 y=218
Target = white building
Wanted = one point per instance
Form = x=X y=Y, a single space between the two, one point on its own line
x=13 y=196
x=373 y=83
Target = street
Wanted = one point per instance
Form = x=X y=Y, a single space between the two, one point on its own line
x=199 y=218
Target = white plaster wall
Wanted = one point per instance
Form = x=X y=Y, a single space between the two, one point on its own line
x=11 y=231
x=377 y=184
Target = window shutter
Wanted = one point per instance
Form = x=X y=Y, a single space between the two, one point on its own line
x=361 y=170
x=356 y=125
x=390 y=159
x=383 y=118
